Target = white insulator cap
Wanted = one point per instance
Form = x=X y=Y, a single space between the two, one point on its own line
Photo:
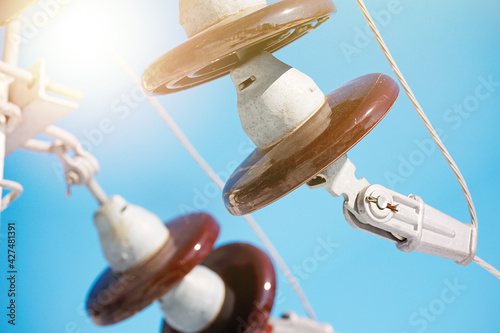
x=129 y=234
x=273 y=98
x=197 y=15
x=195 y=302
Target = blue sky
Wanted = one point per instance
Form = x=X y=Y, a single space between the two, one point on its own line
x=446 y=50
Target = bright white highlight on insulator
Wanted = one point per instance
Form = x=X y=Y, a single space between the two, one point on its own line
x=267 y=286
x=195 y=302
x=197 y=15
x=197 y=247
x=273 y=98
x=129 y=234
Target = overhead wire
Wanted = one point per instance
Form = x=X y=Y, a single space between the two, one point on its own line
x=273 y=252
x=429 y=127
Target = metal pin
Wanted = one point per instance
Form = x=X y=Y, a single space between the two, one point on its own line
x=393 y=208
x=382 y=203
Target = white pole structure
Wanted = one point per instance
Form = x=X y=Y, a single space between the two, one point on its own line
x=28 y=77
x=10 y=57
x=12 y=43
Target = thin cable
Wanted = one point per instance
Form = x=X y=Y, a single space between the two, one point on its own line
x=421 y=113
x=292 y=280
x=487 y=266
x=428 y=125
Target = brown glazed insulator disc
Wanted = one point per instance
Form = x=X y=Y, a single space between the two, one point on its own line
x=349 y=113
x=211 y=54
x=117 y=296
x=249 y=276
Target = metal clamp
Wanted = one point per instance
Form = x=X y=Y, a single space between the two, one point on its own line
x=405 y=220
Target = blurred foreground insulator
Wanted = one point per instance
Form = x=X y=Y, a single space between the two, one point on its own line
x=147 y=258
x=250 y=286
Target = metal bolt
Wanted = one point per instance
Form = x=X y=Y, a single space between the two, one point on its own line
x=382 y=203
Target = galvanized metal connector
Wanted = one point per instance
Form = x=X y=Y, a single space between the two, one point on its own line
x=273 y=98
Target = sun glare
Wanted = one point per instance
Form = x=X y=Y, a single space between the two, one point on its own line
x=82 y=32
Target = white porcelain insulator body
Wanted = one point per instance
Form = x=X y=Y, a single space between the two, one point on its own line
x=195 y=302
x=198 y=15
x=129 y=234
x=273 y=98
